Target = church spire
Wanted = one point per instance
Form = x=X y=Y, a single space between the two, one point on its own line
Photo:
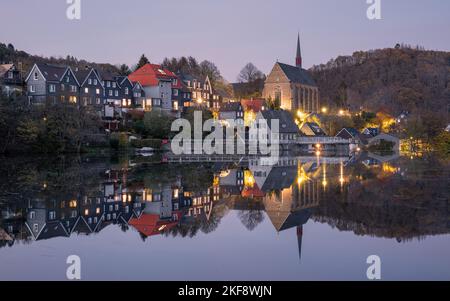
x=298 y=59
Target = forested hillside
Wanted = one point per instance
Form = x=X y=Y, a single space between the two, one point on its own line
x=24 y=60
x=393 y=80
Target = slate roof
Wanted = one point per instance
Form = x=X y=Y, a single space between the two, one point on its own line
x=286 y=121
x=280 y=178
x=81 y=75
x=297 y=75
x=52 y=72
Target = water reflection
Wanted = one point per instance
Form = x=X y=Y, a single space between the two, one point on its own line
x=396 y=198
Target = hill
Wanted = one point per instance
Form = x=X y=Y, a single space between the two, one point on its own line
x=394 y=80
x=24 y=60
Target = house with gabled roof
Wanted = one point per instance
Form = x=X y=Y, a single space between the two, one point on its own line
x=10 y=79
x=52 y=83
x=292 y=86
x=157 y=84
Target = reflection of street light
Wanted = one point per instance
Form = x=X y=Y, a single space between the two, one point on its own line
x=324 y=110
x=199 y=101
x=341 y=112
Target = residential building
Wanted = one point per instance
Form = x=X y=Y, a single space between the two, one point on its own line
x=232 y=111
x=53 y=84
x=91 y=89
x=201 y=91
x=10 y=79
x=292 y=86
x=157 y=85
x=288 y=131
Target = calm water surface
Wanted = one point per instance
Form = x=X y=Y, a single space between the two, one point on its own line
x=303 y=219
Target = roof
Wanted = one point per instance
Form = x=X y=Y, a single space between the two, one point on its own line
x=254 y=105
x=5 y=68
x=297 y=75
x=372 y=131
x=315 y=128
x=286 y=121
x=151 y=74
x=82 y=74
x=280 y=178
x=295 y=219
x=151 y=224
x=52 y=72
x=231 y=107
x=352 y=131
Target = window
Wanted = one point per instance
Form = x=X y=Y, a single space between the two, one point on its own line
x=52 y=88
x=73 y=99
x=90 y=82
x=97 y=91
x=32 y=214
x=126 y=91
x=110 y=93
x=108 y=84
x=116 y=93
x=63 y=87
x=35 y=227
x=63 y=98
x=32 y=89
x=73 y=89
x=86 y=90
x=175 y=92
x=52 y=215
x=68 y=79
x=175 y=105
x=95 y=82
x=10 y=75
x=114 y=85
x=98 y=101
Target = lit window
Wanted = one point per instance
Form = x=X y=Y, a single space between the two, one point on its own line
x=97 y=91
x=86 y=212
x=86 y=90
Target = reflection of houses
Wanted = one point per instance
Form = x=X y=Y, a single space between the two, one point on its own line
x=281 y=126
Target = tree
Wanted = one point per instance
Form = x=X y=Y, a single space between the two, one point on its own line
x=157 y=124
x=124 y=70
x=249 y=74
x=209 y=69
x=142 y=62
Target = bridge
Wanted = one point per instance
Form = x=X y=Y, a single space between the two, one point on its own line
x=321 y=140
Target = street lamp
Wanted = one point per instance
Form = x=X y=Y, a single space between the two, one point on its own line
x=324 y=110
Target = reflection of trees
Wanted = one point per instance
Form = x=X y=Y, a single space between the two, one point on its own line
x=251 y=218
x=401 y=207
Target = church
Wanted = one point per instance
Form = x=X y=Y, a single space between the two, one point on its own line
x=292 y=86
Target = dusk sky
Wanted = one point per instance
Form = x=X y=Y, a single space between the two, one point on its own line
x=230 y=33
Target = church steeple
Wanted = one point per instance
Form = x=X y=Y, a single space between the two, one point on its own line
x=298 y=59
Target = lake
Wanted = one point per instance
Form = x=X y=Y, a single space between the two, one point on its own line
x=305 y=218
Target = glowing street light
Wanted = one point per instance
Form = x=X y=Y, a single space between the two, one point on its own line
x=324 y=110
x=341 y=112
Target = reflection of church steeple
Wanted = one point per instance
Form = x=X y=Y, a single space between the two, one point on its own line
x=299 y=240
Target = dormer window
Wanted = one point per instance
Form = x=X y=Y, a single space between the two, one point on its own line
x=36 y=76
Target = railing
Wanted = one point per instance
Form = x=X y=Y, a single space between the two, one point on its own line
x=322 y=140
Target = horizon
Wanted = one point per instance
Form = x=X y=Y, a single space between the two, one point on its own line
x=113 y=42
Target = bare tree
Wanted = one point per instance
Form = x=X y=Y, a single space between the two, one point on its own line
x=249 y=74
